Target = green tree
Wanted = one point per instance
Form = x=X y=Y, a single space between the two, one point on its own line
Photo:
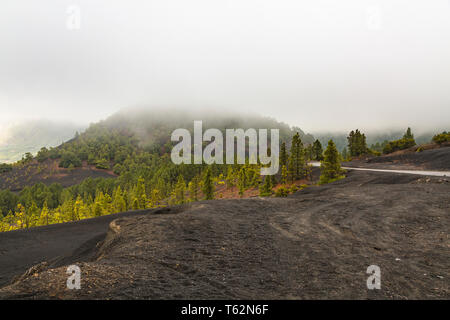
x=44 y=217
x=180 y=188
x=242 y=180
x=283 y=155
x=230 y=180
x=119 y=204
x=194 y=186
x=317 y=151
x=265 y=189
x=357 y=143
x=297 y=159
x=441 y=138
x=330 y=167
x=408 y=134
x=208 y=185
x=284 y=175
x=344 y=154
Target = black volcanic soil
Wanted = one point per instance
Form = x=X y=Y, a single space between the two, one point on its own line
x=48 y=172
x=317 y=243
x=432 y=159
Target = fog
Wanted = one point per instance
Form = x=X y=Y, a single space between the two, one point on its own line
x=319 y=65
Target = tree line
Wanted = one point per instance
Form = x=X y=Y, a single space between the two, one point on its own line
x=147 y=178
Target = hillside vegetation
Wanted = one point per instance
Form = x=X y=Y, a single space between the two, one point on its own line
x=135 y=146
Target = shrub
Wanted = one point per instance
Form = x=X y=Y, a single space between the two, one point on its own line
x=5 y=167
x=54 y=153
x=282 y=192
x=118 y=168
x=102 y=164
x=399 y=144
x=43 y=154
x=441 y=137
x=69 y=158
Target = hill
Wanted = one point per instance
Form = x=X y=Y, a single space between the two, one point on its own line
x=48 y=172
x=124 y=163
x=128 y=138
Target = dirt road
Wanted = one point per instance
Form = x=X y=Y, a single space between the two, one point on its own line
x=416 y=172
x=317 y=243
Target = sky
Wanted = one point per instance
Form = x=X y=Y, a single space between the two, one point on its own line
x=320 y=65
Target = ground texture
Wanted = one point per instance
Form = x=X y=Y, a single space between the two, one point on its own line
x=49 y=172
x=316 y=244
x=433 y=158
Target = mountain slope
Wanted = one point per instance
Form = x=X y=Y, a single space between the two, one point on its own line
x=316 y=244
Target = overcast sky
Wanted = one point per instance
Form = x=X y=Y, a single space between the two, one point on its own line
x=315 y=64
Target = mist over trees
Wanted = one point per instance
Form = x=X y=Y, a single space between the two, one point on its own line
x=407 y=141
x=136 y=147
x=31 y=136
x=147 y=178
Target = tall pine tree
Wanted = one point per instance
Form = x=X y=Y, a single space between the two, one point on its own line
x=330 y=167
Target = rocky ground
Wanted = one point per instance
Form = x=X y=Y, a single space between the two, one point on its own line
x=315 y=244
x=49 y=172
x=430 y=159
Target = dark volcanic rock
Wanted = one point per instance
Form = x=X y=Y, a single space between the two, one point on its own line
x=317 y=243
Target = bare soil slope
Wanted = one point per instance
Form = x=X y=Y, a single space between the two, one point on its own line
x=317 y=243
x=431 y=159
x=49 y=172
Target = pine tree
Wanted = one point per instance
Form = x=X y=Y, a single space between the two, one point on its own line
x=193 y=189
x=141 y=194
x=297 y=159
x=291 y=171
x=317 y=151
x=293 y=159
x=135 y=204
x=309 y=152
x=44 y=217
x=283 y=155
x=357 y=143
x=344 y=154
x=408 y=134
x=230 y=179
x=119 y=204
x=80 y=210
x=242 y=184
x=20 y=217
x=208 y=185
x=284 y=175
x=265 y=189
x=179 y=190
x=33 y=214
x=330 y=166
x=156 y=197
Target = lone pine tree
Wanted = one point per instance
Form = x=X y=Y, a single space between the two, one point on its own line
x=317 y=151
x=357 y=143
x=330 y=166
